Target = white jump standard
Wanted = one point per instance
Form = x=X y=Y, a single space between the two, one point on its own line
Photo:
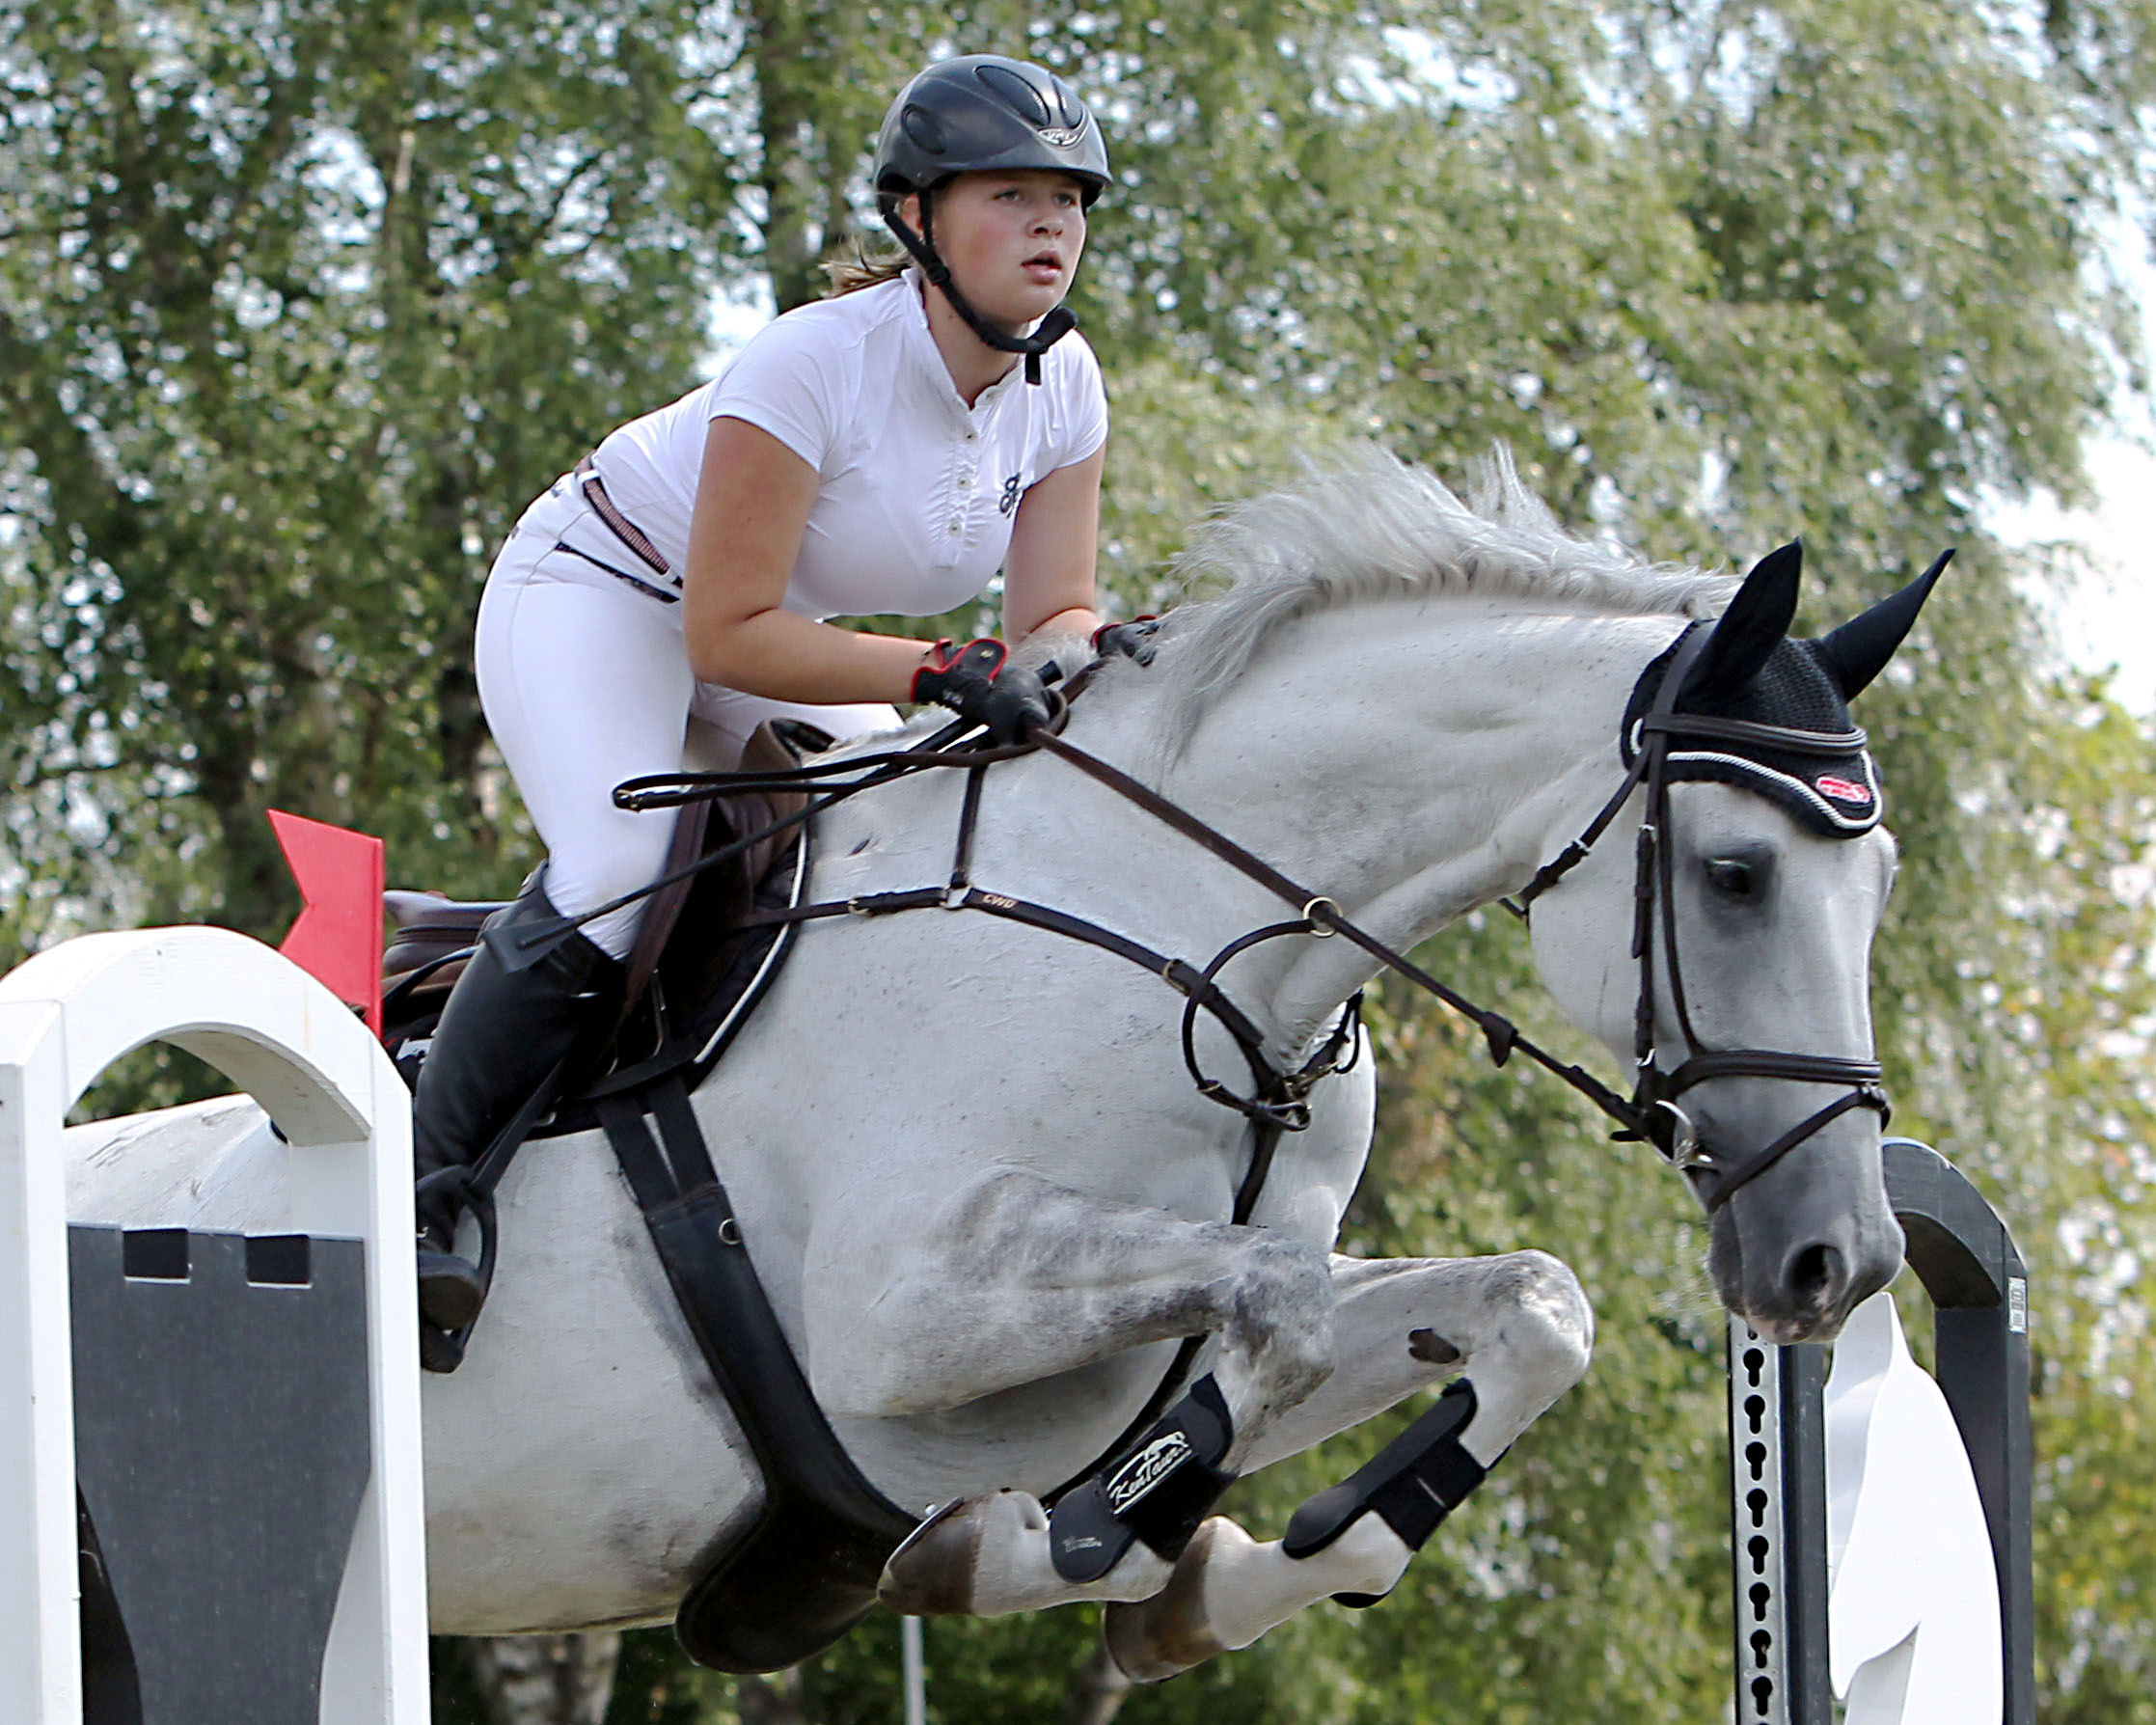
x=322 y=1275
x=1863 y=1521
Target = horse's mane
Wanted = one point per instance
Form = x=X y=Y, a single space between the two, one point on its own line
x=1373 y=528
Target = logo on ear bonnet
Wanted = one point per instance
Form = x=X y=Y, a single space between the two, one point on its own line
x=1834 y=791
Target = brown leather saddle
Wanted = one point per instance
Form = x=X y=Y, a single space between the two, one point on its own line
x=679 y=958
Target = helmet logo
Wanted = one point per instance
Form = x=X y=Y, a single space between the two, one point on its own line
x=1061 y=137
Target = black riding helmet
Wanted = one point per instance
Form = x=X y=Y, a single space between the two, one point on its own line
x=976 y=114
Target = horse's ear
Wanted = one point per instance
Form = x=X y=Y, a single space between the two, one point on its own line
x=1859 y=651
x=1751 y=628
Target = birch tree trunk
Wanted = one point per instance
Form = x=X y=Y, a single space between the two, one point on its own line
x=545 y=1680
x=1097 y=1690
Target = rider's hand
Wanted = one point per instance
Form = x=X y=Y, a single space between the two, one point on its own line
x=977 y=682
x=1133 y=638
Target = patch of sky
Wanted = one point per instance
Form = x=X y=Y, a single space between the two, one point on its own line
x=2019 y=31
x=1417 y=69
x=348 y=196
x=557 y=177
x=1605 y=506
x=2089 y=560
x=735 y=314
x=1739 y=70
x=253 y=305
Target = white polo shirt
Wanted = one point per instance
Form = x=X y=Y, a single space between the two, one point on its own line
x=918 y=491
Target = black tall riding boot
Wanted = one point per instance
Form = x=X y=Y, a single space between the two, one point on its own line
x=501 y=1036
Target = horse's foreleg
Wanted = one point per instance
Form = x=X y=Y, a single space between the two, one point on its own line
x=1025 y=1278
x=1522 y=1329
x=1018 y=1278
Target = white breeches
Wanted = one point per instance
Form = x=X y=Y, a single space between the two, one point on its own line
x=586 y=682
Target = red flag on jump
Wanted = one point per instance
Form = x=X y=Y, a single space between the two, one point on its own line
x=337 y=938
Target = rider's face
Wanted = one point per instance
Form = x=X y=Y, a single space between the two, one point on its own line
x=1012 y=240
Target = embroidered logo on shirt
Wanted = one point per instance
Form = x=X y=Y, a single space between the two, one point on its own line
x=1008 y=502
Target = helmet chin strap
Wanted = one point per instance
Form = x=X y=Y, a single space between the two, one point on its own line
x=1051 y=330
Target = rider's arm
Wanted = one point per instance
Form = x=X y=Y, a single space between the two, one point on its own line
x=754 y=496
x=1048 y=572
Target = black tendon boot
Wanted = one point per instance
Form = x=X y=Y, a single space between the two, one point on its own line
x=502 y=1035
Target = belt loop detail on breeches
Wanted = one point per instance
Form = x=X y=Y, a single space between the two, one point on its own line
x=585 y=683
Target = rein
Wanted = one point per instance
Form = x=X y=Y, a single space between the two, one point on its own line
x=1278 y=1100
x=1651 y=1112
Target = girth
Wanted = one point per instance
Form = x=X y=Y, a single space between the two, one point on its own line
x=805 y=1572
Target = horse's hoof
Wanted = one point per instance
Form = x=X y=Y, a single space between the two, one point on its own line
x=440 y=1350
x=1151 y=1640
x=931 y=1574
x=938 y=1571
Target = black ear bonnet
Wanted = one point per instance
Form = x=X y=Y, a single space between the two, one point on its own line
x=1835 y=795
x=1750 y=672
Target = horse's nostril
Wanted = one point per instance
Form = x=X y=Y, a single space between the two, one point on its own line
x=1818 y=1276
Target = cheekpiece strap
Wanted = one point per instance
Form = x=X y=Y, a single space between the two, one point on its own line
x=1051 y=329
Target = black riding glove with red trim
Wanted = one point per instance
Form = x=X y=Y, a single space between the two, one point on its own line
x=1133 y=638
x=978 y=683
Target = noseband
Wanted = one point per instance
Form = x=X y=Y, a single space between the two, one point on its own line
x=1716 y=1174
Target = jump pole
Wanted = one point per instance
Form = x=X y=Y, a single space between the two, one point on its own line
x=65 y=1016
x=1962 y=1253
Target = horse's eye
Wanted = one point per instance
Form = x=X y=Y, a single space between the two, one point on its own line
x=1727 y=875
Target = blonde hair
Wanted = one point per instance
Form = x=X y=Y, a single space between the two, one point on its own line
x=857 y=267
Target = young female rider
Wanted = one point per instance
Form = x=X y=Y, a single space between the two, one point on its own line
x=885 y=451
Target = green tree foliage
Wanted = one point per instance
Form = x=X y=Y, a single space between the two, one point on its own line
x=298 y=304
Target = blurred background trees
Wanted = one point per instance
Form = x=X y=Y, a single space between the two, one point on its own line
x=300 y=303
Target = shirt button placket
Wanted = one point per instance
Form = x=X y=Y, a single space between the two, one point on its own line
x=965 y=484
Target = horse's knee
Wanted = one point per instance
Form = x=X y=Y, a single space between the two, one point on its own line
x=1278 y=1329
x=1547 y=1330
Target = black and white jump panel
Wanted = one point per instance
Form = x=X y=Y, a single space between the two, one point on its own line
x=221 y=1457
x=1879 y=1509
x=211 y=1498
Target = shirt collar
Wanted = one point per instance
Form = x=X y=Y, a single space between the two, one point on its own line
x=921 y=342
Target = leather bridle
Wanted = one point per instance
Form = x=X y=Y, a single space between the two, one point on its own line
x=1653 y=1112
x=1278 y=1100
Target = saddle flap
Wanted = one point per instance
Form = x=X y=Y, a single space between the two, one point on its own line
x=725 y=895
x=663 y=910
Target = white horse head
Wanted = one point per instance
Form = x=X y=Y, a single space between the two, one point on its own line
x=1770 y=872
